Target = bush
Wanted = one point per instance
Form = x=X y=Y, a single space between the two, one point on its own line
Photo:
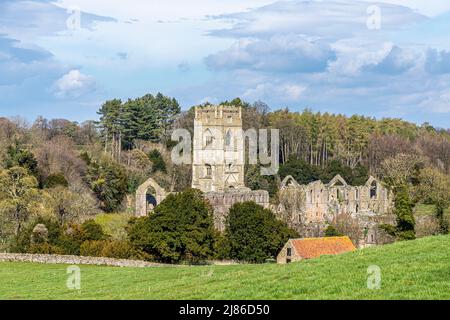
x=44 y=248
x=404 y=212
x=55 y=180
x=158 y=161
x=111 y=249
x=92 y=231
x=403 y=209
x=23 y=241
x=222 y=247
x=39 y=234
x=332 y=232
x=114 y=225
x=71 y=239
x=122 y=250
x=108 y=181
x=180 y=228
x=16 y=156
x=254 y=234
x=92 y=248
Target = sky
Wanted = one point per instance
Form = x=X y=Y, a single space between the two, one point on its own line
x=63 y=59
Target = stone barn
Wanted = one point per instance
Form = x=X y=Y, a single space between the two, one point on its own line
x=308 y=248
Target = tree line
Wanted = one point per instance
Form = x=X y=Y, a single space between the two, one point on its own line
x=74 y=171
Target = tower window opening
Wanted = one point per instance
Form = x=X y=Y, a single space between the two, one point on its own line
x=208 y=171
x=373 y=190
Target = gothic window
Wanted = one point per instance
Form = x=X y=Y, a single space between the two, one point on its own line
x=373 y=190
x=289 y=252
x=228 y=138
x=209 y=138
x=340 y=195
x=356 y=194
x=208 y=171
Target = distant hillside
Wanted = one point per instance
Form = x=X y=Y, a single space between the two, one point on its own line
x=417 y=269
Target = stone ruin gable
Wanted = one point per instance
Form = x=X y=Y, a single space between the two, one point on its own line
x=310 y=208
x=143 y=207
x=291 y=203
x=320 y=202
x=223 y=201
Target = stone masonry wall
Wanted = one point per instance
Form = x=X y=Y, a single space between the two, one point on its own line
x=74 y=260
x=223 y=201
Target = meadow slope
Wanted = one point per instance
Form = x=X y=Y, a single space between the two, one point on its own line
x=417 y=269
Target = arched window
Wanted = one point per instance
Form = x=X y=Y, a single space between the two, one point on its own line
x=209 y=138
x=228 y=138
x=208 y=173
x=373 y=190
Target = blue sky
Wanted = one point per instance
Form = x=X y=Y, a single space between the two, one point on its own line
x=62 y=59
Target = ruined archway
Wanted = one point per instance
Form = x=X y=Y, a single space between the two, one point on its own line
x=149 y=194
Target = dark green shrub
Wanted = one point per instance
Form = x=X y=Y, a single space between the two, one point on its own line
x=111 y=249
x=254 y=233
x=122 y=250
x=158 y=161
x=180 y=228
x=332 y=232
x=92 y=231
x=22 y=242
x=45 y=248
x=108 y=180
x=403 y=209
x=404 y=212
x=222 y=247
x=55 y=180
x=92 y=248
x=16 y=156
x=72 y=238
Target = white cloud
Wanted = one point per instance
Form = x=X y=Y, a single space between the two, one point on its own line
x=73 y=85
x=281 y=53
x=324 y=19
x=429 y=7
x=286 y=92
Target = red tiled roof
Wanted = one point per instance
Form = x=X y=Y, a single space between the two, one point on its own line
x=315 y=247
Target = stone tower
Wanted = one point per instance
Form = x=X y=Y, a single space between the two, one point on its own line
x=218 y=157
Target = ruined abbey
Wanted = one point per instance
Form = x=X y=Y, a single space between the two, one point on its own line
x=311 y=208
x=218 y=171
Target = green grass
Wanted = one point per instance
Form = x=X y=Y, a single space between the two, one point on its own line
x=417 y=269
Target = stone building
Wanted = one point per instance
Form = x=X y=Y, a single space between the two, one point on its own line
x=218 y=160
x=311 y=208
x=218 y=153
x=223 y=201
x=299 y=249
x=148 y=196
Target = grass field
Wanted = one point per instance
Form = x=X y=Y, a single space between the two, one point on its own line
x=417 y=269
